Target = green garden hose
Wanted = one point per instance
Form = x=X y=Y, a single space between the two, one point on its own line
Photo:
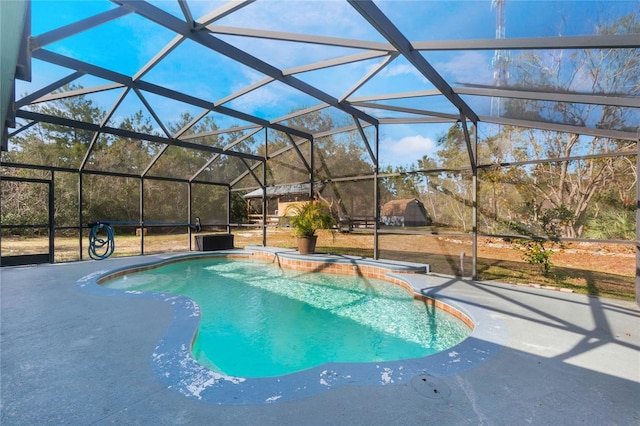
x=105 y=246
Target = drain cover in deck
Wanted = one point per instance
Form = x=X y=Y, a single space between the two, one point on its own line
x=430 y=387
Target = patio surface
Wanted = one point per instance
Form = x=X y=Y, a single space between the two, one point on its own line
x=69 y=356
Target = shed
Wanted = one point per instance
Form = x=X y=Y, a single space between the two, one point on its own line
x=406 y=212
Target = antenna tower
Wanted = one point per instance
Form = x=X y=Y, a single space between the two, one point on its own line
x=500 y=59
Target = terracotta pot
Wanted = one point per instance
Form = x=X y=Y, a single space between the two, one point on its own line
x=307 y=245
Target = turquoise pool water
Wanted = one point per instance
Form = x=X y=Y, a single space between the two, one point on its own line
x=259 y=320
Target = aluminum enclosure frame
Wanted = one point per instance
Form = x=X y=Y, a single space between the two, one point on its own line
x=206 y=32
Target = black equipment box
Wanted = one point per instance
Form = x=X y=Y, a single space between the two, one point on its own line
x=214 y=242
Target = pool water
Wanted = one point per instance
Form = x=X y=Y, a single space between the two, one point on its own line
x=258 y=320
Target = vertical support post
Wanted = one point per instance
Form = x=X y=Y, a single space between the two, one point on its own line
x=474 y=211
x=264 y=204
x=80 y=221
x=311 y=167
x=638 y=225
x=264 y=188
x=141 y=215
x=228 y=209
x=376 y=193
x=189 y=213
x=472 y=150
x=52 y=218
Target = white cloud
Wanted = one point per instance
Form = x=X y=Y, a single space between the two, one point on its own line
x=335 y=18
x=401 y=69
x=406 y=150
x=467 y=67
x=277 y=98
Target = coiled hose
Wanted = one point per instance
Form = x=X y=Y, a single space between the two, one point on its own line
x=101 y=248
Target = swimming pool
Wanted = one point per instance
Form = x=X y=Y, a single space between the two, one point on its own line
x=260 y=320
x=174 y=365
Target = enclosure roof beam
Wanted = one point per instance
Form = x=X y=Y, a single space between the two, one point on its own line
x=28 y=115
x=244 y=174
x=78 y=27
x=318 y=136
x=365 y=141
x=600 y=41
x=168 y=48
x=606 y=155
x=176 y=25
x=186 y=12
x=154 y=160
x=176 y=41
x=522 y=163
x=415 y=120
x=162 y=91
x=301 y=112
x=245 y=90
x=406 y=110
x=357 y=57
x=369 y=75
x=190 y=124
x=106 y=74
x=23 y=128
x=275 y=155
x=403 y=95
x=48 y=89
x=152 y=112
x=581 y=98
x=104 y=122
x=250 y=171
x=220 y=13
x=104 y=173
x=470 y=147
x=287 y=148
x=226 y=148
x=562 y=128
x=301 y=38
x=179 y=133
x=77 y=92
x=330 y=132
x=297 y=149
x=221 y=132
x=385 y=27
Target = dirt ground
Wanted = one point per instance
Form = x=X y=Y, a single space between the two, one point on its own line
x=594 y=268
x=591 y=268
x=610 y=258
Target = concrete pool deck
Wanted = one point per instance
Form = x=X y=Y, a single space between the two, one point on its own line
x=75 y=357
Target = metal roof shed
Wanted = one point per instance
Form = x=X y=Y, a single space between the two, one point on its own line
x=406 y=212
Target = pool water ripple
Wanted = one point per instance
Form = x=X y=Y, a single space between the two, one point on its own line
x=259 y=320
x=174 y=364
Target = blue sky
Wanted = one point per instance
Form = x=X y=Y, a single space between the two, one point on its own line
x=127 y=44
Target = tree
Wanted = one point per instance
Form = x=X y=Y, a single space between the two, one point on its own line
x=448 y=195
x=519 y=196
x=574 y=184
x=51 y=145
x=402 y=185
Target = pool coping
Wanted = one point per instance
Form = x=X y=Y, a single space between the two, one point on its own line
x=176 y=368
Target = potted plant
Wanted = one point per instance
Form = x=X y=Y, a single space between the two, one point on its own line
x=306 y=219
